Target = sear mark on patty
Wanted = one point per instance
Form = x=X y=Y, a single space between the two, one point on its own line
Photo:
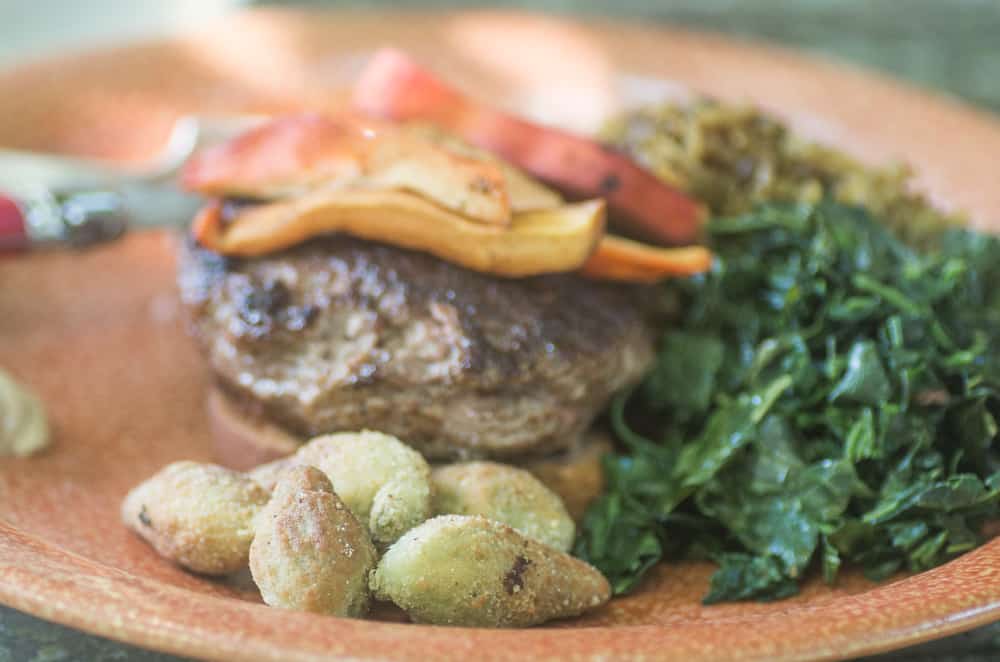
x=267 y=304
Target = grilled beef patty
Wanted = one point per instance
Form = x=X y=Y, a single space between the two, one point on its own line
x=343 y=334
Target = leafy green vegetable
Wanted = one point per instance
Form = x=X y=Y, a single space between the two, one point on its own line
x=828 y=396
x=742 y=577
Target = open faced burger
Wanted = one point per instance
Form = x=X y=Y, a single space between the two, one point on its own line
x=355 y=273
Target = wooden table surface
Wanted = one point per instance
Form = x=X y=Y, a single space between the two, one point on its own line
x=952 y=46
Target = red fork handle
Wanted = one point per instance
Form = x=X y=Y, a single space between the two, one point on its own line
x=13 y=227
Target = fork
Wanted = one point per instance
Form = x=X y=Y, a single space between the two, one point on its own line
x=53 y=200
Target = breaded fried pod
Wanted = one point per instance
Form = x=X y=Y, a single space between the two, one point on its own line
x=384 y=482
x=197 y=515
x=461 y=570
x=310 y=553
x=505 y=494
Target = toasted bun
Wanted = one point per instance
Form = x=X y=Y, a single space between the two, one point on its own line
x=576 y=475
x=242 y=442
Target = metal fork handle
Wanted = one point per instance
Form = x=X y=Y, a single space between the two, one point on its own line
x=75 y=220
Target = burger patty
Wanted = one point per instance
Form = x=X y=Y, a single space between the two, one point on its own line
x=343 y=334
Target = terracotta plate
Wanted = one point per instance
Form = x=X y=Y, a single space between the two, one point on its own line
x=99 y=334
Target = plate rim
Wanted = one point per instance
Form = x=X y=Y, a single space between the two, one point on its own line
x=36 y=576
x=19 y=551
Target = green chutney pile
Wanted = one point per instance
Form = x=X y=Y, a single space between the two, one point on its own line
x=827 y=396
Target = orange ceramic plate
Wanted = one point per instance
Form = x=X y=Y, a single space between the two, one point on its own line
x=99 y=335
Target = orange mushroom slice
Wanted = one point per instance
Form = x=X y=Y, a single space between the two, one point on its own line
x=621 y=259
x=526 y=193
x=294 y=155
x=395 y=87
x=536 y=242
x=473 y=187
x=285 y=157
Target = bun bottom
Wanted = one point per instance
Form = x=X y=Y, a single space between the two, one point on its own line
x=577 y=474
x=242 y=442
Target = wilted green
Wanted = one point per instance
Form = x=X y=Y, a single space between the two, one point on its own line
x=827 y=396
